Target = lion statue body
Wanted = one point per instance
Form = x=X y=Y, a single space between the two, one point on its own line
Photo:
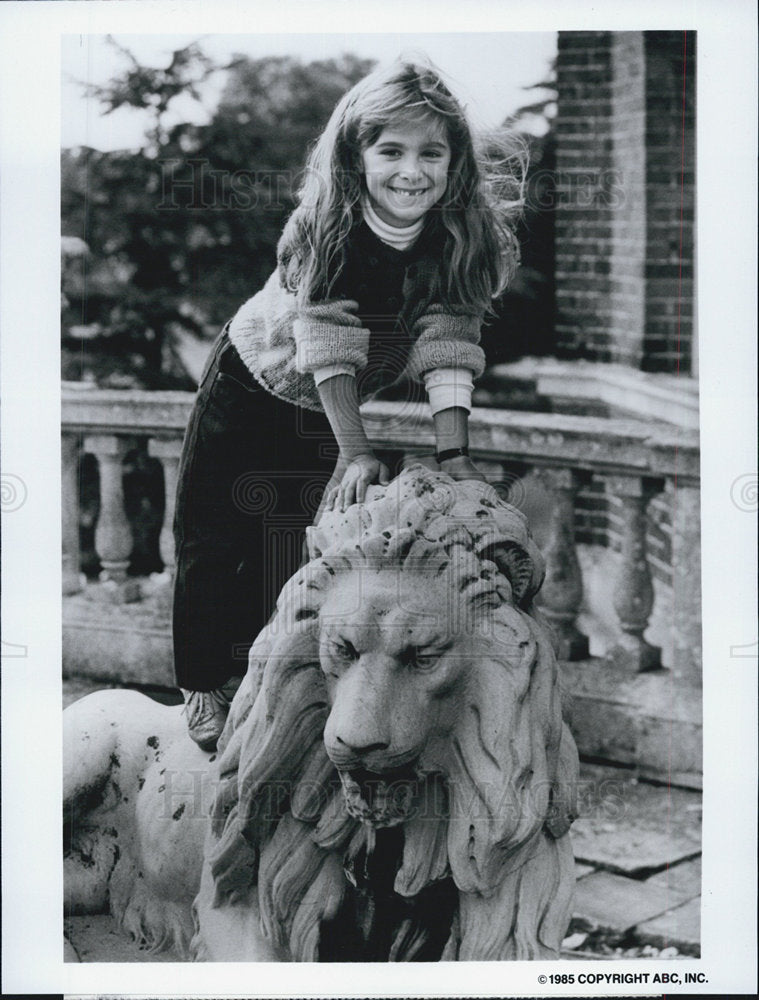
x=394 y=782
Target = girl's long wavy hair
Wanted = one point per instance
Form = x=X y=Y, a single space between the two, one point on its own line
x=477 y=213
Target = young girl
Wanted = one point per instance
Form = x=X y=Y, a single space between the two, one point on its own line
x=385 y=270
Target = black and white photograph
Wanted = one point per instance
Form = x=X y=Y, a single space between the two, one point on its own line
x=386 y=399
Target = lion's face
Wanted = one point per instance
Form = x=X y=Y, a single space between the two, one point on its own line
x=405 y=654
x=395 y=649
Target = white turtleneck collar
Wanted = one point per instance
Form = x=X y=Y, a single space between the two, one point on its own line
x=397 y=238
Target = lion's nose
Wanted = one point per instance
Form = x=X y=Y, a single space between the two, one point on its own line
x=362 y=749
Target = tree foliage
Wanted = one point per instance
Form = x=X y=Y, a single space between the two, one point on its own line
x=153 y=89
x=180 y=232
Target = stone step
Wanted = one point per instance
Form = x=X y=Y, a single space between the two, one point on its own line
x=650 y=720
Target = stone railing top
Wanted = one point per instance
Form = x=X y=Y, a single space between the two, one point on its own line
x=597 y=444
x=125 y=411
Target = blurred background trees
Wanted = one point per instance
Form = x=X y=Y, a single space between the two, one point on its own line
x=163 y=244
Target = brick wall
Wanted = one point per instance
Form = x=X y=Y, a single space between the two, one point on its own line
x=623 y=290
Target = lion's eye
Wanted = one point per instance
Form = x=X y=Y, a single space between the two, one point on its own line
x=420 y=659
x=345 y=650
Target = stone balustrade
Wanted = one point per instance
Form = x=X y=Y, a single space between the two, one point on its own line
x=619 y=705
x=108 y=423
x=633 y=458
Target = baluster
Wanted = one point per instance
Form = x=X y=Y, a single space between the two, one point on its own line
x=686 y=582
x=113 y=535
x=70 y=512
x=168 y=451
x=633 y=589
x=562 y=591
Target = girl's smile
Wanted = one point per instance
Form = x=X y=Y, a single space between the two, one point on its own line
x=406 y=172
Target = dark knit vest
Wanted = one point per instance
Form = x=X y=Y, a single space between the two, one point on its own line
x=393 y=288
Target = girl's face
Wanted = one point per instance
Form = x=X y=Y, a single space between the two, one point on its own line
x=406 y=171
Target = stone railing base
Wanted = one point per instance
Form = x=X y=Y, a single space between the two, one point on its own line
x=131 y=644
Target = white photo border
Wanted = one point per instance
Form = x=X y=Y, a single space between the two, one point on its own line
x=30 y=41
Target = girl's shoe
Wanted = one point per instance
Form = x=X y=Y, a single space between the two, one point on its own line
x=206 y=713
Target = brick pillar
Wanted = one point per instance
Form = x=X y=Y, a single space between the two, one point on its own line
x=670 y=199
x=622 y=283
x=583 y=217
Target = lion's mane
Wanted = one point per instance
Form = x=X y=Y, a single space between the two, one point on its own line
x=494 y=825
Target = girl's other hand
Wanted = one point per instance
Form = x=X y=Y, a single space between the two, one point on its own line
x=461 y=467
x=362 y=471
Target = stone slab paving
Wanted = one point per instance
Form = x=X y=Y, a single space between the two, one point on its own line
x=634 y=828
x=609 y=902
x=643 y=845
x=680 y=926
x=96 y=938
x=683 y=881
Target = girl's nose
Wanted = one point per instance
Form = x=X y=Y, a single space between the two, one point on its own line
x=410 y=167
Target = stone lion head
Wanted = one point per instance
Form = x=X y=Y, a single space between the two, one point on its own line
x=399 y=733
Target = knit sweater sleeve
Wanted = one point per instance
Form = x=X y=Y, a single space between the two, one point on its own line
x=282 y=345
x=446 y=338
x=330 y=333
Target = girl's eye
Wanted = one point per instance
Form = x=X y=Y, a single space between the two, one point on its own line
x=428 y=154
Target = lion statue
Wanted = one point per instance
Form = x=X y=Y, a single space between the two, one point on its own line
x=394 y=782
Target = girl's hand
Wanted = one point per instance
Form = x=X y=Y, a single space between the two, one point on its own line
x=362 y=472
x=462 y=467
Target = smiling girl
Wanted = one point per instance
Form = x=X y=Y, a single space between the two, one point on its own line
x=386 y=270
